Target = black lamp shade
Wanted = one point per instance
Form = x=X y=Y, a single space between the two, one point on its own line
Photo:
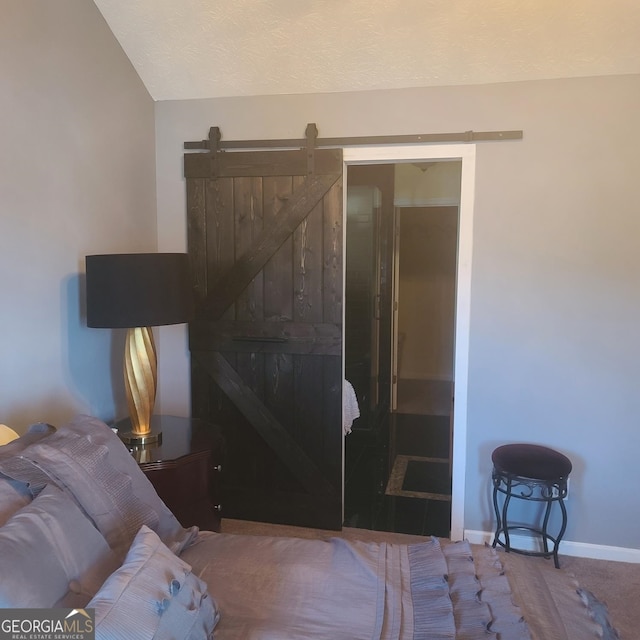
x=129 y=290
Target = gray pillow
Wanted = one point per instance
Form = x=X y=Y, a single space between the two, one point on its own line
x=13 y=496
x=34 y=433
x=51 y=555
x=87 y=459
x=12 y=464
x=153 y=595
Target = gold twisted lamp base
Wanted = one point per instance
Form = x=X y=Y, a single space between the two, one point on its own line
x=140 y=378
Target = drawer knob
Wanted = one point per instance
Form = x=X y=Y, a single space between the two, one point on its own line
x=217 y=507
x=217 y=467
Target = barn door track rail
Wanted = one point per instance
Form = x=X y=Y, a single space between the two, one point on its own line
x=215 y=142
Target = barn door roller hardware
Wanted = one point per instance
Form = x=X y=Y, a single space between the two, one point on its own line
x=215 y=142
x=312 y=136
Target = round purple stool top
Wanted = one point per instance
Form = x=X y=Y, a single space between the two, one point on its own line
x=531 y=461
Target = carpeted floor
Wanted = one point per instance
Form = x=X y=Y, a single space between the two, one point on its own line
x=616 y=584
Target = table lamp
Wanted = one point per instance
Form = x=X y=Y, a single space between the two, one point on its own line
x=137 y=291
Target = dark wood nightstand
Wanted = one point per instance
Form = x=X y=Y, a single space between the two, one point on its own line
x=184 y=468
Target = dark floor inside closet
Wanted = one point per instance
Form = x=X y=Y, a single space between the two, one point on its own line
x=398 y=470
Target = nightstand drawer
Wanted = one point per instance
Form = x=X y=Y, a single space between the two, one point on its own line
x=184 y=469
x=183 y=486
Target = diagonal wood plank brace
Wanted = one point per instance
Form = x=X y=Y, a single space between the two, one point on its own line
x=297 y=207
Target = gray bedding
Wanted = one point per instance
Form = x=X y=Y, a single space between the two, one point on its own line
x=272 y=588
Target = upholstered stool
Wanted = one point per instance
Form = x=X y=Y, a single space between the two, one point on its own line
x=535 y=473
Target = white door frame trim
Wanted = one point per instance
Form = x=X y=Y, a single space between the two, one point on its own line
x=467 y=154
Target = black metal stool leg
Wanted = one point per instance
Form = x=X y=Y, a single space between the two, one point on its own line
x=505 y=525
x=563 y=528
x=496 y=482
x=501 y=513
x=545 y=522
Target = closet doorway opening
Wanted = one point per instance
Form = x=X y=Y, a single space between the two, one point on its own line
x=408 y=230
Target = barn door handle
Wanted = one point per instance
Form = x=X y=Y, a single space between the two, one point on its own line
x=259 y=339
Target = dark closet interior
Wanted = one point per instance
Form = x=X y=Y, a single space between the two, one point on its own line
x=398 y=454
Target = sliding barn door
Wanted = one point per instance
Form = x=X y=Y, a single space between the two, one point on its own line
x=265 y=242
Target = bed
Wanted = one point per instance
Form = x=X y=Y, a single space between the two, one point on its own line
x=73 y=501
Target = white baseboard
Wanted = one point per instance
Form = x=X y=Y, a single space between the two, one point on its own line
x=567 y=547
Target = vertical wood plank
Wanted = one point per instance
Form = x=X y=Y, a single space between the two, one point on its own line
x=248 y=215
x=308 y=407
x=278 y=279
x=279 y=377
x=220 y=231
x=332 y=307
x=308 y=268
x=197 y=236
x=332 y=277
x=197 y=249
x=332 y=419
x=200 y=396
x=308 y=244
x=278 y=303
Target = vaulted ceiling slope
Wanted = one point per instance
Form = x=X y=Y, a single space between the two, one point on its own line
x=214 y=48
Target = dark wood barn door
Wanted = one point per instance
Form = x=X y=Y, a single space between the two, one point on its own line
x=265 y=242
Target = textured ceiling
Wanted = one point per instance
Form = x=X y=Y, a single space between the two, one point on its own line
x=213 y=48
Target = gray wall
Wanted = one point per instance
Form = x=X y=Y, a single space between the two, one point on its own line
x=77 y=176
x=555 y=307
